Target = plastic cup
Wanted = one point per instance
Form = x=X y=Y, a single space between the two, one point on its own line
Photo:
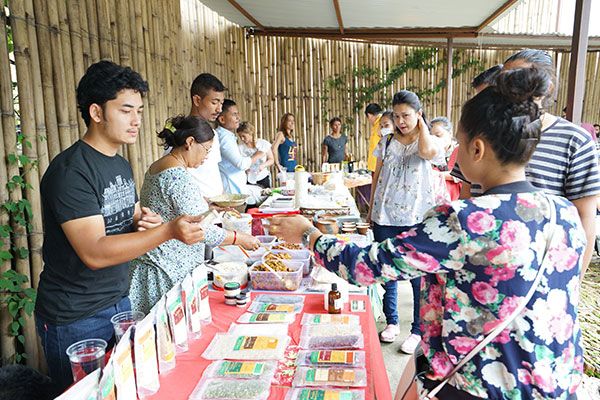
x=86 y=356
x=123 y=320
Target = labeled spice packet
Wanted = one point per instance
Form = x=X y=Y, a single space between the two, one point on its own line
x=325 y=394
x=240 y=370
x=144 y=349
x=231 y=389
x=335 y=319
x=266 y=318
x=189 y=296
x=165 y=346
x=330 y=376
x=350 y=358
x=329 y=330
x=200 y=278
x=258 y=307
x=241 y=347
x=85 y=389
x=106 y=389
x=279 y=299
x=123 y=368
x=177 y=320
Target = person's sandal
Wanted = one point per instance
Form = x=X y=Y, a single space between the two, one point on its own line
x=389 y=334
x=410 y=343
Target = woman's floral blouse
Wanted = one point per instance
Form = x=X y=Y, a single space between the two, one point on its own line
x=479 y=258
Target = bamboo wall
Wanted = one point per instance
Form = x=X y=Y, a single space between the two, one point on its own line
x=169 y=42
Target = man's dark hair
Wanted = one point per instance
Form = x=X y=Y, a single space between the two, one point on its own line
x=487 y=77
x=205 y=82
x=102 y=82
x=18 y=382
x=333 y=120
x=227 y=104
x=373 y=109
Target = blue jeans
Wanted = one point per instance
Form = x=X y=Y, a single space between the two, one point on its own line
x=390 y=298
x=57 y=338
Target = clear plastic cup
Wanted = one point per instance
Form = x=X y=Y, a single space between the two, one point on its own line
x=123 y=320
x=86 y=356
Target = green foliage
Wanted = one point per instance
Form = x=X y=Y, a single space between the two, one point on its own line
x=15 y=292
x=364 y=84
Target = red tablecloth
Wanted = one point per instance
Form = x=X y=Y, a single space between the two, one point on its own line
x=180 y=382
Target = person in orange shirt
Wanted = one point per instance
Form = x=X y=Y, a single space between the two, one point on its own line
x=373 y=112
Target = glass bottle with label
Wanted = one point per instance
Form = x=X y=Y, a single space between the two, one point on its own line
x=335 y=300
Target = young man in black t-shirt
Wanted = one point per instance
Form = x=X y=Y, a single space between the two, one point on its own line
x=93 y=224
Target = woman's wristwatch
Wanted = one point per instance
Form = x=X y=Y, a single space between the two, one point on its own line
x=306 y=236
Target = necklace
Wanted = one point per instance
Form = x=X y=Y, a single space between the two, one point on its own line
x=183 y=164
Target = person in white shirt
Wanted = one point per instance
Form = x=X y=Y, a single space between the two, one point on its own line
x=250 y=145
x=208 y=93
x=233 y=163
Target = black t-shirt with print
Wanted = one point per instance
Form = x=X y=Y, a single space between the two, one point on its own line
x=82 y=182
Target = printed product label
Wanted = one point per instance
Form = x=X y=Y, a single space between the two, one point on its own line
x=332 y=357
x=339 y=304
x=324 y=394
x=330 y=375
x=265 y=317
x=167 y=347
x=255 y=343
x=204 y=292
x=332 y=319
x=278 y=308
x=241 y=368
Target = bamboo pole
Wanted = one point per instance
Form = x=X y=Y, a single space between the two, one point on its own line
x=7 y=145
x=104 y=30
x=76 y=27
x=94 y=35
x=24 y=84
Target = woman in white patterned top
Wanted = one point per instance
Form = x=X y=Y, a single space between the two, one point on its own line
x=170 y=190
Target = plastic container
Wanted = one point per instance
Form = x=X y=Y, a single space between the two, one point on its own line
x=231 y=289
x=266 y=318
x=297 y=255
x=267 y=280
x=243 y=223
x=332 y=376
x=325 y=393
x=267 y=241
x=231 y=389
x=240 y=369
x=343 y=358
x=241 y=300
x=245 y=347
x=230 y=272
x=335 y=319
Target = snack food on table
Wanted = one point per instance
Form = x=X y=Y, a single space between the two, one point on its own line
x=288 y=246
x=243 y=347
x=325 y=394
x=267 y=318
x=275 y=264
x=332 y=376
x=277 y=256
x=231 y=389
x=279 y=280
x=240 y=369
x=319 y=358
x=258 y=307
x=335 y=319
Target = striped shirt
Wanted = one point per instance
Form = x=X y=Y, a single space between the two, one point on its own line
x=564 y=163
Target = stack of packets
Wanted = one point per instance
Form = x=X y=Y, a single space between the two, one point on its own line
x=330 y=364
x=153 y=342
x=247 y=354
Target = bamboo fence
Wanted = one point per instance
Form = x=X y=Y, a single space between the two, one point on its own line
x=170 y=42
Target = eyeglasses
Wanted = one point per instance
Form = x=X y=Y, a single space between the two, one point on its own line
x=207 y=149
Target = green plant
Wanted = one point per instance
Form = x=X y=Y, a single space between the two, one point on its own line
x=14 y=291
x=364 y=84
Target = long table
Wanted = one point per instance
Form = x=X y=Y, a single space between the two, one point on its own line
x=180 y=382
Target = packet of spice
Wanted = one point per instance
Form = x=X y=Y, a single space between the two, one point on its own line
x=333 y=376
x=144 y=348
x=85 y=389
x=325 y=394
x=200 y=278
x=123 y=368
x=164 y=340
x=177 y=319
x=192 y=313
x=227 y=389
x=106 y=389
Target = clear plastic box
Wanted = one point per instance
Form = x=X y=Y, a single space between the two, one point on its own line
x=266 y=280
x=297 y=255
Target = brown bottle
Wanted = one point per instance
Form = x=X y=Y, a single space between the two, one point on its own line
x=334 y=300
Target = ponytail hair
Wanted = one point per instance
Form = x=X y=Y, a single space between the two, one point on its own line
x=179 y=128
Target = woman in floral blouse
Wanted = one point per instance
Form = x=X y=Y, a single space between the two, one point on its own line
x=479 y=258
